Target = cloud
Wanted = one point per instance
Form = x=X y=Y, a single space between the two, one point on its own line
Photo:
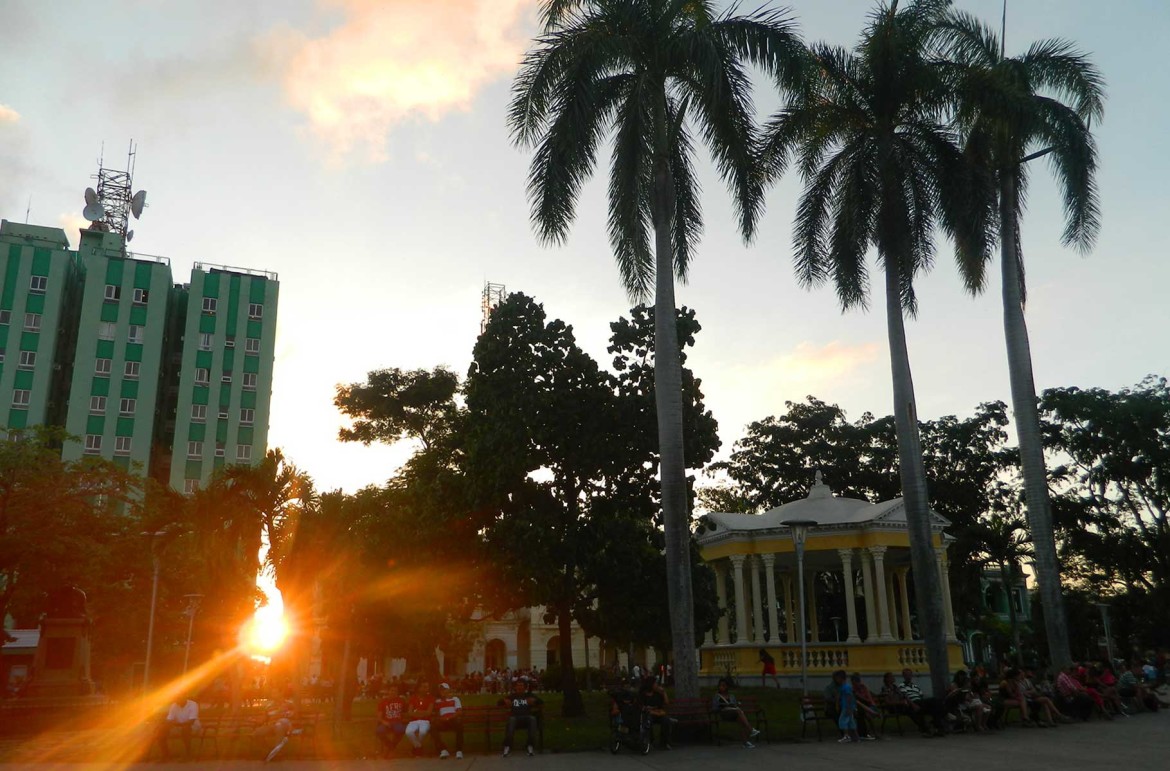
x=809 y=364
x=72 y=225
x=8 y=115
x=394 y=60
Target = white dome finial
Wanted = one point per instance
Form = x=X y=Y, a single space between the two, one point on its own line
x=819 y=488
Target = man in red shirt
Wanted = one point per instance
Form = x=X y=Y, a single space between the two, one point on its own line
x=449 y=713
x=391 y=720
x=422 y=707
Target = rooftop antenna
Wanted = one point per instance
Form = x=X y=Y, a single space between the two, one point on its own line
x=493 y=295
x=28 y=209
x=113 y=202
x=1003 y=32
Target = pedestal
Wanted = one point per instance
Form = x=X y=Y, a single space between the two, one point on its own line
x=61 y=666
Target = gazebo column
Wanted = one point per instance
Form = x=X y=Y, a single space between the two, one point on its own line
x=871 y=628
x=757 y=604
x=904 y=593
x=892 y=605
x=813 y=623
x=850 y=602
x=948 y=611
x=769 y=561
x=789 y=615
x=879 y=570
x=721 y=594
x=741 y=619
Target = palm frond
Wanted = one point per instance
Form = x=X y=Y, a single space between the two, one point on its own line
x=688 y=213
x=630 y=183
x=1057 y=65
x=1074 y=161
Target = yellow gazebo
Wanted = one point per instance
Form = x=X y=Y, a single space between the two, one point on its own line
x=851 y=537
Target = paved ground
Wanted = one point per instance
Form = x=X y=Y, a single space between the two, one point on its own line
x=1139 y=743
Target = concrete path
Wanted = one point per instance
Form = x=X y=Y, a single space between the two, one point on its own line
x=1140 y=743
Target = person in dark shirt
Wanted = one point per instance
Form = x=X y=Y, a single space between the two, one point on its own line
x=522 y=704
x=391 y=714
x=654 y=700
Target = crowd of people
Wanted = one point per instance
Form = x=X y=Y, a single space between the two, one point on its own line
x=978 y=702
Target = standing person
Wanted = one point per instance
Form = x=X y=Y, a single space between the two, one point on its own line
x=654 y=700
x=867 y=710
x=422 y=708
x=391 y=714
x=846 y=709
x=729 y=711
x=183 y=716
x=522 y=703
x=769 y=669
x=449 y=711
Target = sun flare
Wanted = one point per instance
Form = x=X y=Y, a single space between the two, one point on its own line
x=267 y=630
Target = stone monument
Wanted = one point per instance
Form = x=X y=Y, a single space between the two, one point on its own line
x=61 y=665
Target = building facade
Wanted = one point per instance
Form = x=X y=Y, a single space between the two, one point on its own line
x=171 y=381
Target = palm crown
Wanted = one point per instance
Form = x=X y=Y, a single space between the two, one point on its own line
x=651 y=73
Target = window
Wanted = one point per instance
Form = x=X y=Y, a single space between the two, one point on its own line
x=223 y=413
x=32 y=322
x=252 y=345
x=131 y=370
x=243 y=452
x=249 y=381
x=205 y=339
x=38 y=284
x=219 y=450
x=93 y=443
x=5 y=317
x=141 y=296
x=209 y=304
x=227 y=376
x=247 y=416
x=190 y=486
x=135 y=333
x=113 y=293
x=106 y=330
x=102 y=367
x=194 y=449
x=202 y=376
x=1 y=355
x=121 y=445
x=127 y=406
x=199 y=413
x=97 y=404
x=255 y=310
x=28 y=359
x=229 y=342
x=20 y=397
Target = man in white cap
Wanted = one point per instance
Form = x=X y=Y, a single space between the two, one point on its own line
x=449 y=710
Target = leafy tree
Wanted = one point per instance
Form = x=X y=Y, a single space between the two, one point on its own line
x=394 y=404
x=1015 y=110
x=1006 y=544
x=650 y=71
x=1112 y=474
x=881 y=170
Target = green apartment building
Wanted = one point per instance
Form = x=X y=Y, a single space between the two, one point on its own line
x=225 y=377
x=174 y=381
x=38 y=296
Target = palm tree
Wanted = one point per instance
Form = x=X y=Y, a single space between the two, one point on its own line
x=650 y=72
x=1006 y=544
x=881 y=170
x=1014 y=110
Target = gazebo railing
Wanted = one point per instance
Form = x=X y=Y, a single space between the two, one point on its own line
x=819 y=657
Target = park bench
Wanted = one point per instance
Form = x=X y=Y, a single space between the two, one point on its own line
x=811 y=712
x=887 y=711
x=754 y=713
x=227 y=729
x=694 y=714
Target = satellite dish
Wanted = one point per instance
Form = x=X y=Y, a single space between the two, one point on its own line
x=129 y=236
x=137 y=204
x=94 y=212
x=90 y=196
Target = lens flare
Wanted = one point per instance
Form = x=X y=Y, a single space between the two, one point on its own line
x=267 y=631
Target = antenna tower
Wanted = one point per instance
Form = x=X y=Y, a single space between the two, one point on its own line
x=114 y=192
x=493 y=295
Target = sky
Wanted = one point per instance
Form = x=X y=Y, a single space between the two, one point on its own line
x=358 y=148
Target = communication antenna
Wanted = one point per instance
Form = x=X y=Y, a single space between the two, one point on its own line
x=493 y=295
x=94 y=211
x=113 y=202
x=137 y=204
x=28 y=209
x=129 y=236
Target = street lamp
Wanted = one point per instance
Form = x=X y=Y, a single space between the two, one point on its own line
x=1104 y=608
x=153 y=603
x=192 y=609
x=799 y=529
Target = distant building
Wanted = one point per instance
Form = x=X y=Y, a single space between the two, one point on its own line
x=174 y=381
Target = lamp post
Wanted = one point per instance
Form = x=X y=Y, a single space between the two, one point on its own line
x=1104 y=608
x=153 y=604
x=836 y=627
x=192 y=609
x=799 y=529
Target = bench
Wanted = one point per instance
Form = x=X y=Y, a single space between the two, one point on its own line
x=494 y=720
x=887 y=711
x=229 y=728
x=810 y=712
x=694 y=713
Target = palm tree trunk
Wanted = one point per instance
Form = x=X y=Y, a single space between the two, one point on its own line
x=914 y=492
x=668 y=402
x=1027 y=417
